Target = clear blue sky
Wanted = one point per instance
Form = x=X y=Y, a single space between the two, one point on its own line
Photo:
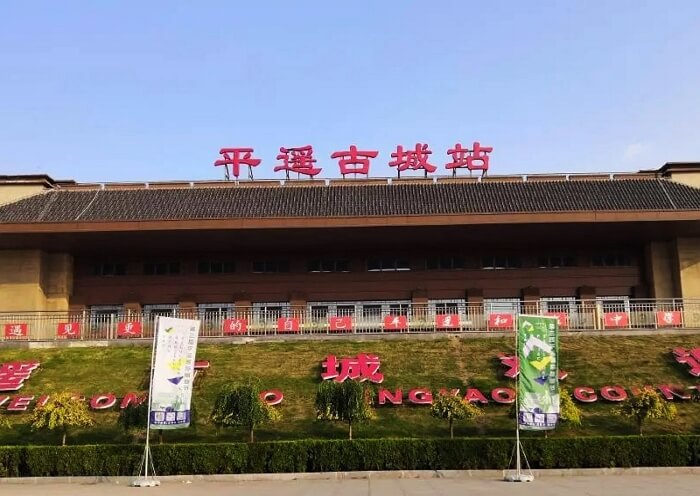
x=146 y=90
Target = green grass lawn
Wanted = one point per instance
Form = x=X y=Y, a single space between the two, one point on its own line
x=294 y=367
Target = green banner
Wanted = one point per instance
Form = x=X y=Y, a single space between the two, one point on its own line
x=538 y=381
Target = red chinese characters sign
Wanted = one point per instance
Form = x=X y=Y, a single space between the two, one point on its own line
x=500 y=321
x=363 y=367
x=236 y=157
x=301 y=160
x=354 y=161
x=16 y=331
x=562 y=318
x=130 y=329
x=475 y=159
x=340 y=324
x=395 y=322
x=68 y=330
x=235 y=326
x=669 y=319
x=447 y=321
x=616 y=320
x=288 y=325
x=416 y=159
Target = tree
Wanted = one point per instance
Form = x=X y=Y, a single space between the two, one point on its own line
x=241 y=405
x=62 y=411
x=645 y=406
x=451 y=408
x=569 y=412
x=133 y=418
x=349 y=402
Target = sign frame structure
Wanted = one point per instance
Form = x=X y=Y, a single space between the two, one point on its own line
x=185 y=367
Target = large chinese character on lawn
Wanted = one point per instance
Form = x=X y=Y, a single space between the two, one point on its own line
x=13 y=374
x=300 y=160
x=364 y=367
x=475 y=159
x=235 y=157
x=512 y=364
x=416 y=159
x=353 y=161
x=690 y=357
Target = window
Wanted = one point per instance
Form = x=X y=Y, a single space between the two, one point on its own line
x=556 y=261
x=270 y=266
x=215 y=267
x=107 y=269
x=500 y=262
x=318 y=312
x=161 y=268
x=371 y=311
x=345 y=310
x=501 y=305
x=399 y=308
x=213 y=311
x=387 y=264
x=163 y=310
x=441 y=308
x=100 y=314
x=328 y=265
x=445 y=263
x=611 y=260
x=270 y=312
x=323 y=309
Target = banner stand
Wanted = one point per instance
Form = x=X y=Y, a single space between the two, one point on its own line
x=147 y=458
x=518 y=475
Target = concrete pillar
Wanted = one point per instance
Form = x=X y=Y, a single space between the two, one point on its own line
x=531 y=300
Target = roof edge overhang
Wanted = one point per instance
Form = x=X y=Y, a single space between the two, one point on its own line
x=353 y=222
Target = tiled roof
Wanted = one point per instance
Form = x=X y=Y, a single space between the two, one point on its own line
x=261 y=201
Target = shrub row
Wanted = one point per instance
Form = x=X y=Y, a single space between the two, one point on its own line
x=363 y=454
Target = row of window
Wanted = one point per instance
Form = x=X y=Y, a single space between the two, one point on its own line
x=375 y=264
x=374 y=308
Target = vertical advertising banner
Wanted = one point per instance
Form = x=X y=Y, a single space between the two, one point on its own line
x=538 y=383
x=173 y=372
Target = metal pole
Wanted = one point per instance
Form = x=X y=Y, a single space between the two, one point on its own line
x=150 y=392
x=517 y=410
x=147 y=453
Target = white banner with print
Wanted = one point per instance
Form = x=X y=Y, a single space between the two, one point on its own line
x=173 y=373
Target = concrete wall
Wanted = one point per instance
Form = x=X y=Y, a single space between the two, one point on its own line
x=13 y=192
x=662 y=270
x=689 y=266
x=35 y=280
x=688 y=178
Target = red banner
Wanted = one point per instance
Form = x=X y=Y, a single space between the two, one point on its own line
x=130 y=329
x=16 y=331
x=395 y=322
x=616 y=320
x=500 y=321
x=340 y=324
x=235 y=326
x=669 y=319
x=447 y=321
x=562 y=318
x=287 y=324
x=68 y=330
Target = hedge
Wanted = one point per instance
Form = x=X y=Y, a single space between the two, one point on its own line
x=343 y=455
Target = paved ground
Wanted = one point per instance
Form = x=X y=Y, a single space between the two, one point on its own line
x=616 y=485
